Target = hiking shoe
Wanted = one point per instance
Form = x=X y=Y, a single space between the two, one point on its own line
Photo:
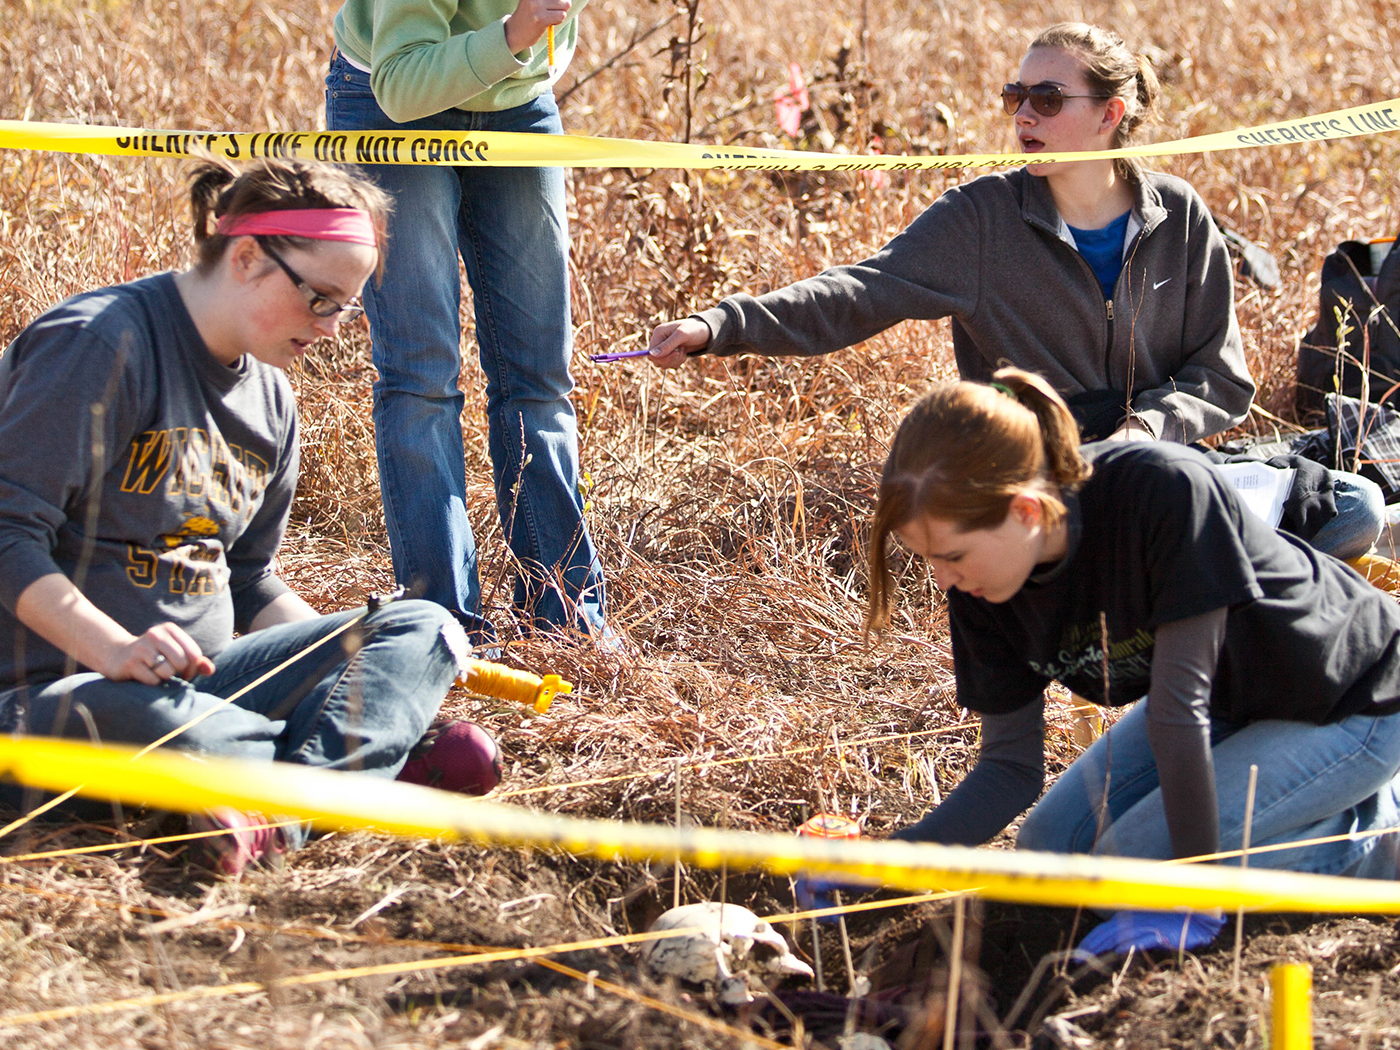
x=454 y=756
x=244 y=842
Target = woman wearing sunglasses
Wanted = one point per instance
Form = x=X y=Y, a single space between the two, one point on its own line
x=148 y=459
x=1110 y=281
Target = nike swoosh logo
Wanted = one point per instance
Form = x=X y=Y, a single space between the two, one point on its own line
x=1159 y=284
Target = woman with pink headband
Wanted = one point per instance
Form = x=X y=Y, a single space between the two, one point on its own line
x=148 y=459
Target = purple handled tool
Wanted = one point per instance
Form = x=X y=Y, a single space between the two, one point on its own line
x=619 y=355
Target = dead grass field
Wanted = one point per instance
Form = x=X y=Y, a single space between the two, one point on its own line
x=728 y=502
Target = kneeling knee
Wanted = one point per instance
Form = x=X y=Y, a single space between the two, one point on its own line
x=424 y=627
x=1046 y=833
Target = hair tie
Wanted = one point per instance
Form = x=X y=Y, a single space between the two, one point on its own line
x=1002 y=388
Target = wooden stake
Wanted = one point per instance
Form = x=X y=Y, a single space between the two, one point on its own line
x=1244 y=863
x=950 y=1016
x=676 y=895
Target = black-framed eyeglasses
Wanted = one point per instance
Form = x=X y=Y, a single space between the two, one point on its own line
x=1046 y=99
x=318 y=304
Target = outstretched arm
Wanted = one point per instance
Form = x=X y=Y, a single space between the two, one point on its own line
x=1006 y=781
x=929 y=270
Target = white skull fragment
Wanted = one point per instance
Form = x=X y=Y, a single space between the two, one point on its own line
x=720 y=956
x=861 y=1041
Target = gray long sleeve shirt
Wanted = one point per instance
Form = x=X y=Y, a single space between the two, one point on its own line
x=131 y=461
x=1010 y=769
x=995 y=256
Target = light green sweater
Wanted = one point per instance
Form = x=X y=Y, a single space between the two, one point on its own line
x=426 y=56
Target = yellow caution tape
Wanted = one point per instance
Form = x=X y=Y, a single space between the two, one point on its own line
x=178 y=781
x=515 y=149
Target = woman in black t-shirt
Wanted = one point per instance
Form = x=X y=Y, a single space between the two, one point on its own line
x=1127 y=571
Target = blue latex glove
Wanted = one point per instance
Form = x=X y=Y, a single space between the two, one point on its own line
x=1146 y=930
x=812 y=894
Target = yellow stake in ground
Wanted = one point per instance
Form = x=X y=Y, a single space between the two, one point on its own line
x=506 y=683
x=1292 y=985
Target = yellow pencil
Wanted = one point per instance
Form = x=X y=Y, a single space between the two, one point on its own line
x=549 y=38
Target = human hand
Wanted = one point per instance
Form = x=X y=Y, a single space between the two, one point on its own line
x=812 y=894
x=1146 y=930
x=1132 y=430
x=672 y=342
x=164 y=652
x=528 y=22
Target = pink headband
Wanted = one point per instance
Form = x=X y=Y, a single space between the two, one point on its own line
x=321 y=224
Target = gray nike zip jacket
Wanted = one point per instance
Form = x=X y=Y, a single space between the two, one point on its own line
x=995 y=256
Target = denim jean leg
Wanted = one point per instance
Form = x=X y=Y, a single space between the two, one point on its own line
x=361 y=700
x=515 y=244
x=510 y=228
x=85 y=706
x=1066 y=819
x=415 y=337
x=368 y=714
x=268 y=671
x=1360 y=517
x=1313 y=781
x=135 y=713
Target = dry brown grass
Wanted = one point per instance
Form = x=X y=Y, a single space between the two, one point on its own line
x=727 y=500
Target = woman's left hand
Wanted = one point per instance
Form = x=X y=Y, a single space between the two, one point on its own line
x=1131 y=430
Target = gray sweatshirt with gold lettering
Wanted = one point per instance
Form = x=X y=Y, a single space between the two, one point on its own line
x=154 y=477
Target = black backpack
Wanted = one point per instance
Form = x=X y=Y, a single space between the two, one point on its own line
x=1350 y=286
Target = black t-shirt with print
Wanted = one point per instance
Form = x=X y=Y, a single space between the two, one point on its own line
x=1157 y=535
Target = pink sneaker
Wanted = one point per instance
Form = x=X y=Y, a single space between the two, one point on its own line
x=455 y=756
x=243 y=844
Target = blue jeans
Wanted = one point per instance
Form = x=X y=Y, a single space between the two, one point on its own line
x=1360 y=517
x=1314 y=781
x=357 y=706
x=510 y=227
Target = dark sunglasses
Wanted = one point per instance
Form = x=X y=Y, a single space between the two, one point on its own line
x=1046 y=99
x=318 y=304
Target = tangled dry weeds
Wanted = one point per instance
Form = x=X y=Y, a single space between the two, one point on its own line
x=727 y=501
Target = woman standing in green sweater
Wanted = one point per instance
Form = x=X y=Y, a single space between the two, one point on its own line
x=481 y=66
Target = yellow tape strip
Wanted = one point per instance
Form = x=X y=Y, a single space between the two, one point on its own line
x=516 y=149
x=538 y=955
x=176 y=781
x=115 y=847
x=403 y=968
x=742 y=1036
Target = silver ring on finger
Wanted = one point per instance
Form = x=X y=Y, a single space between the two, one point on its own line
x=160 y=659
